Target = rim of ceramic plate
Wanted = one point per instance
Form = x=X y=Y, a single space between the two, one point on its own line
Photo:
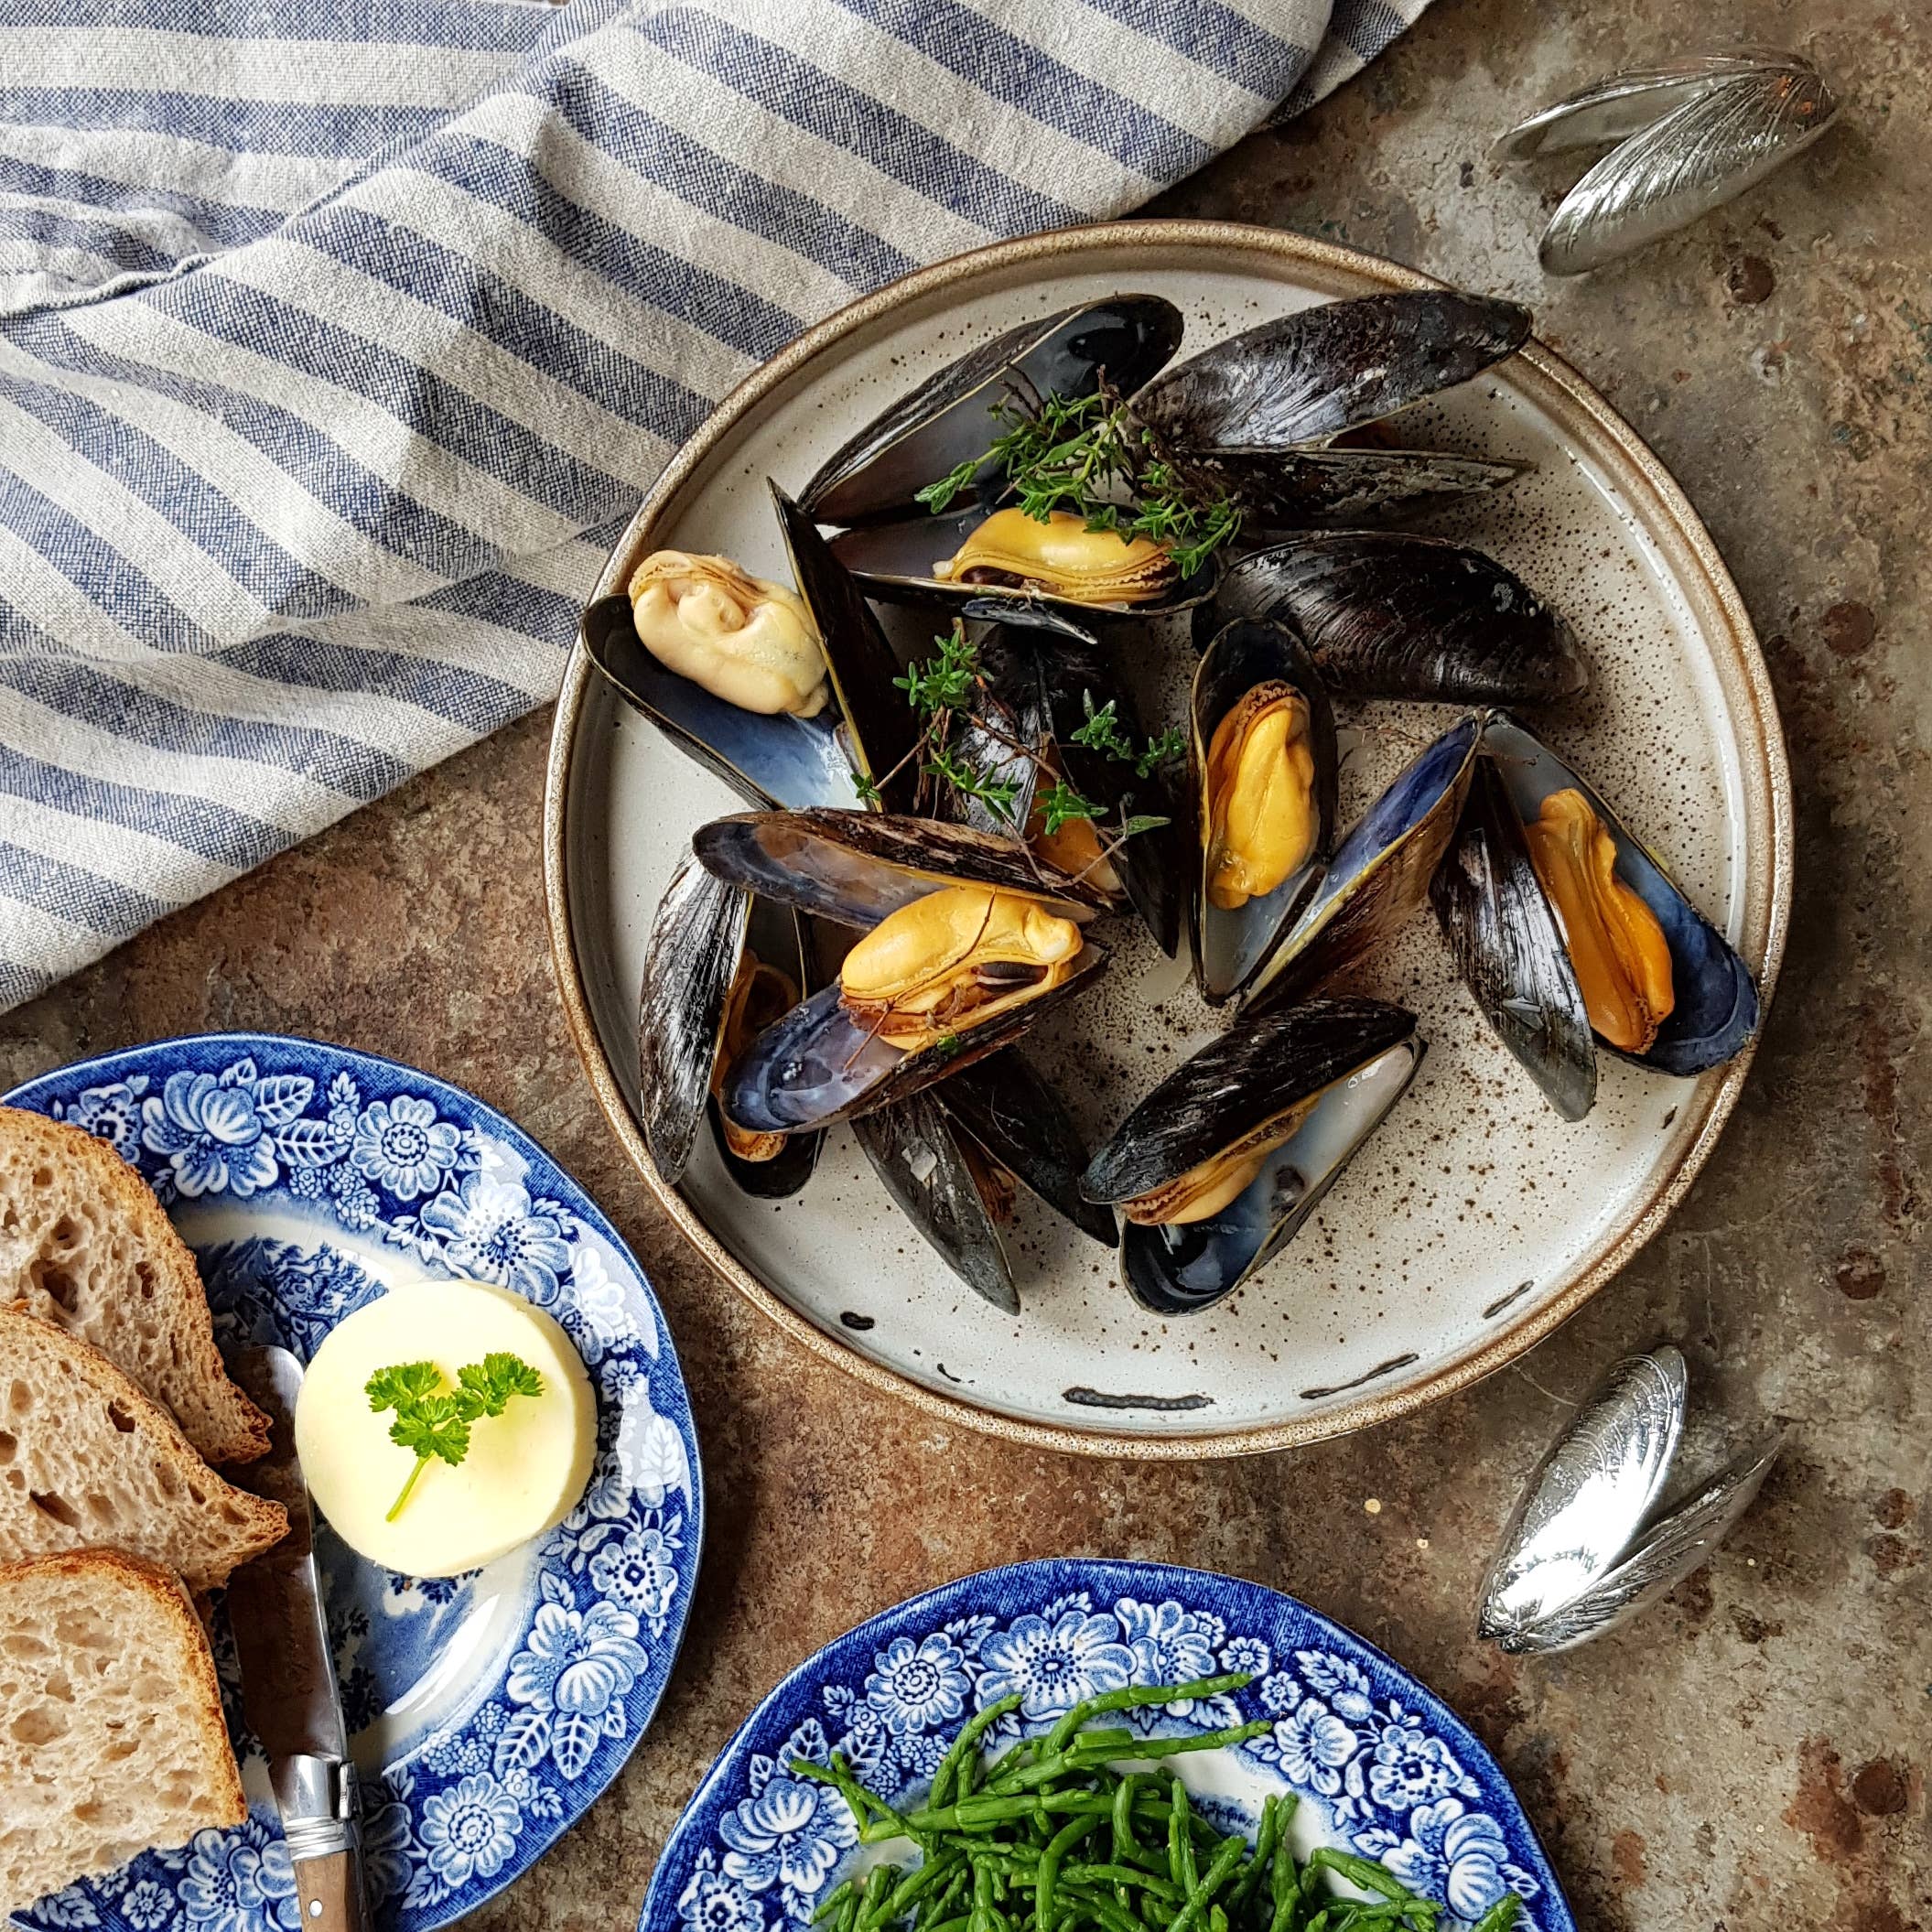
x=1660 y=507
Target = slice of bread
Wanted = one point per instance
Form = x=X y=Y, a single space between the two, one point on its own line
x=111 y=1717
x=86 y=1458
x=88 y=1247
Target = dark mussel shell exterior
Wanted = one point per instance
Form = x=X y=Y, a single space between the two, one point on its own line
x=778 y=936
x=1379 y=877
x=690 y=961
x=1066 y=669
x=1311 y=375
x=767 y=761
x=1389 y=615
x=1509 y=947
x=914 y=1150
x=860 y=661
x=1717 y=1010
x=894 y=563
x=1231 y=947
x=820 y=1065
x=949 y=418
x=854 y=867
x=1236 y=1084
x=1280 y=489
x=1011 y=714
x=1023 y=1123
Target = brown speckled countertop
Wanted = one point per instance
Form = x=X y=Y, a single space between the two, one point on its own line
x=1752 y=1754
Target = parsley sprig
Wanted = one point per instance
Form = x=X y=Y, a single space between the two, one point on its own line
x=1080 y=454
x=435 y=1424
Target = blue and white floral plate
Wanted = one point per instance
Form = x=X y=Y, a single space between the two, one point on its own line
x=1379 y=1764
x=489 y=1710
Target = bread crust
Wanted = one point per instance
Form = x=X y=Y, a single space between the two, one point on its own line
x=221 y=1422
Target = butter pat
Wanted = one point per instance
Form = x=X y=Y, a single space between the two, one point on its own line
x=526 y=1468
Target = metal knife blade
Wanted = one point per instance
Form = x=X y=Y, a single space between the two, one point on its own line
x=289 y=1682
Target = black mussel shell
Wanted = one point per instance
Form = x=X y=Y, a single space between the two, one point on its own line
x=820 y=1065
x=948 y=418
x=1509 y=947
x=1281 y=490
x=1388 y=615
x=854 y=867
x=1379 y=877
x=860 y=661
x=1311 y=375
x=894 y=563
x=1005 y=738
x=767 y=761
x=1358 y=1055
x=690 y=961
x=914 y=1149
x=1023 y=1123
x=1231 y=947
x=1717 y=1010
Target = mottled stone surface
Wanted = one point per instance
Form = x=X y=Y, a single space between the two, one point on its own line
x=1754 y=1753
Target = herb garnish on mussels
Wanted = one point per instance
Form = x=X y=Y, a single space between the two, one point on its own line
x=1050 y=1836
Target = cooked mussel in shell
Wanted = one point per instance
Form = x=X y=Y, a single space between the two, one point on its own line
x=1346 y=484
x=1061 y=554
x=1221 y=1164
x=1262 y=766
x=744 y=639
x=760 y=995
x=1390 y=615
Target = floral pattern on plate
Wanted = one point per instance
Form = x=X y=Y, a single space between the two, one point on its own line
x=302 y=1175
x=1380 y=1765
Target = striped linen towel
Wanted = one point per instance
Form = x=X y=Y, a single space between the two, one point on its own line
x=339 y=339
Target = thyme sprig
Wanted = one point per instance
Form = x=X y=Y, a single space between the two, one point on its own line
x=1082 y=454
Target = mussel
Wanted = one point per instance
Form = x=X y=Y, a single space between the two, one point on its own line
x=771 y=979
x=1262 y=772
x=1571 y=936
x=723 y=661
x=1386 y=615
x=1221 y=1164
x=1345 y=483
x=1380 y=876
x=948 y=420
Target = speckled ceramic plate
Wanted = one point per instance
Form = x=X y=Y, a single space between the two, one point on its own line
x=1378 y=1763
x=486 y=1712
x=1475 y=1220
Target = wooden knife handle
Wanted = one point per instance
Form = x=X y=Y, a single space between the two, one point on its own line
x=331 y=1890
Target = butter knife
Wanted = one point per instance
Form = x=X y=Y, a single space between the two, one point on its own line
x=288 y=1683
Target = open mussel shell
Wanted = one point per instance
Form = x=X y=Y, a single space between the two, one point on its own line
x=1622 y=104
x=1231 y=945
x=1355 y=1058
x=854 y=867
x=691 y=959
x=822 y=1064
x=775 y=947
x=1585 y=1505
x=1378 y=879
x=1716 y=1012
x=894 y=563
x=948 y=418
x=1311 y=375
x=915 y=1152
x=1024 y=1125
x=768 y=761
x=1390 y=615
x=1509 y=948
x=1280 y=490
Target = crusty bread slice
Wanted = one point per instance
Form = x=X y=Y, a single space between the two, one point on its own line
x=88 y=1247
x=86 y=1458
x=111 y=1717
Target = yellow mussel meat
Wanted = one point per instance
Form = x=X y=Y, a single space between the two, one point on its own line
x=1060 y=556
x=954 y=960
x=759 y=996
x=1616 y=946
x=1203 y=1192
x=1262 y=823
x=746 y=641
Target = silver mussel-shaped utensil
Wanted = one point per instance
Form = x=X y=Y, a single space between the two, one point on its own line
x=1689 y=136
x=1588 y=1543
